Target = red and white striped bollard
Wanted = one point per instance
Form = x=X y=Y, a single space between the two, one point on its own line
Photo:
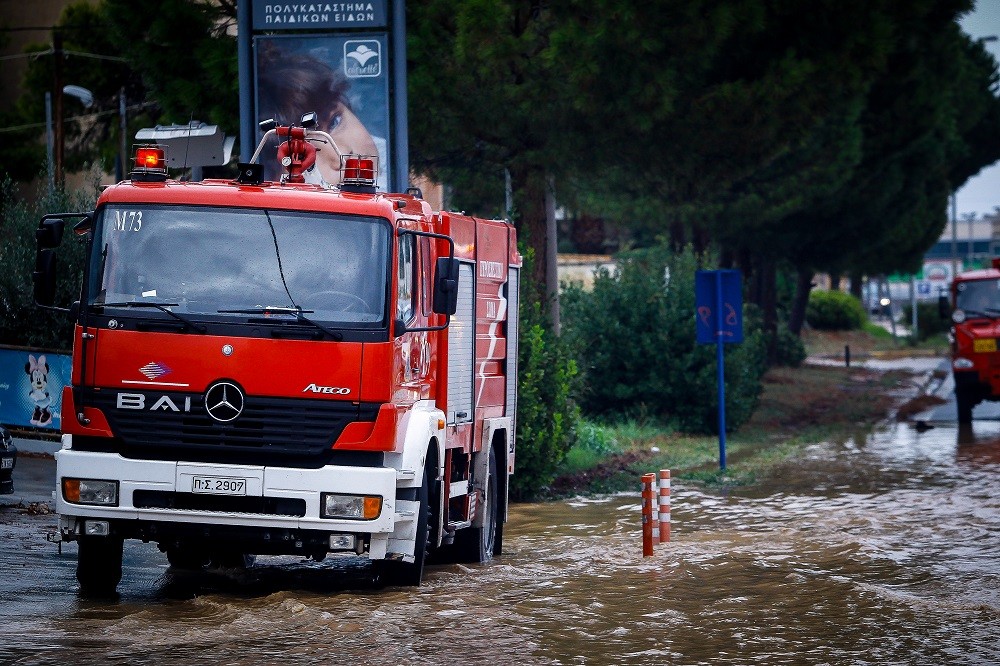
x=647 y=513
x=664 y=508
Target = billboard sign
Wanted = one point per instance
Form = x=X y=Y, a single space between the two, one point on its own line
x=344 y=79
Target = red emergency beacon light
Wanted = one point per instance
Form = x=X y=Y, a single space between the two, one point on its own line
x=359 y=171
x=150 y=164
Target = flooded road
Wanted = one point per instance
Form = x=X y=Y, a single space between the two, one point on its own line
x=881 y=549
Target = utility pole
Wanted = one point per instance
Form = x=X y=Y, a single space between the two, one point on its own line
x=954 y=234
x=551 y=256
x=57 y=94
x=122 y=167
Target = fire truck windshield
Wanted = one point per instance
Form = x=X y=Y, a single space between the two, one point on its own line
x=979 y=297
x=227 y=262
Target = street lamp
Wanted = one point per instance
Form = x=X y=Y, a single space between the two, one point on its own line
x=81 y=94
x=86 y=98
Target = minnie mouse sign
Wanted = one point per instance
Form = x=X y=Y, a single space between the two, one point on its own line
x=38 y=374
x=31 y=387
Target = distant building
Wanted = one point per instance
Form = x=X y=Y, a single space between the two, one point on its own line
x=23 y=23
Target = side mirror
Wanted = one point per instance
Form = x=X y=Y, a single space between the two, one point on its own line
x=446 y=286
x=44 y=277
x=49 y=233
x=944 y=307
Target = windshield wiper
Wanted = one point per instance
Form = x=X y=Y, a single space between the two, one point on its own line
x=295 y=311
x=162 y=307
x=989 y=313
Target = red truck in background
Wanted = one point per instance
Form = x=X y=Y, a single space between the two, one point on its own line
x=974 y=306
x=284 y=368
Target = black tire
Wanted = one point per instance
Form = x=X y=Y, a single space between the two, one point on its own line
x=186 y=557
x=230 y=559
x=99 y=565
x=964 y=403
x=411 y=574
x=479 y=544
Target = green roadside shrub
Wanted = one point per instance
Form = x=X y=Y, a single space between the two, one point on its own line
x=547 y=413
x=930 y=322
x=789 y=349
x=22 y=323
x=634 y=336
x=834 y=311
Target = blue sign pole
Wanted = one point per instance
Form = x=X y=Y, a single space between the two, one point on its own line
x=719 y=319
x=721 y=369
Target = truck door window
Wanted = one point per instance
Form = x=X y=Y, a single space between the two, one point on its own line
x=404 y=277
x=426 y=277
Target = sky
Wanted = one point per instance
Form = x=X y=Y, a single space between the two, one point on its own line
x=981 y=193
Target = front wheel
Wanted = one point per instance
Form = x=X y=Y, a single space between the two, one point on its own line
x=412 y=573
x=99 y=565
x=964 y=403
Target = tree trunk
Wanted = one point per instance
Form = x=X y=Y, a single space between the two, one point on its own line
x=551 y=254
x=769 y=305
x=700 y=239
x=529 y=188
x=857 y=284
x=797 y=317
x=678 y=238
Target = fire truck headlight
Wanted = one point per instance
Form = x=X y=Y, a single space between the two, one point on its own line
x=958 y=316
x=90 y=491
x=963 y=364
x=355 y=507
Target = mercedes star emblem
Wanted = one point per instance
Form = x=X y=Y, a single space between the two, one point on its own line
x=224 y=401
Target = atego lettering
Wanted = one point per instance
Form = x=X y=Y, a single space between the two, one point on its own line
x=333 y=390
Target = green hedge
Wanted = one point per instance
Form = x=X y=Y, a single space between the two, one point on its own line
x=930 y=322
x=547 y=413
x=834 y=311
x=634 y=336
x=21 y=322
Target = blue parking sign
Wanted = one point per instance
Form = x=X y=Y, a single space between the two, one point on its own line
x=718 y=297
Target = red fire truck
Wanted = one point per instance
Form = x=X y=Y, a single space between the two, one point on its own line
x=975 y=315
x=284 y=368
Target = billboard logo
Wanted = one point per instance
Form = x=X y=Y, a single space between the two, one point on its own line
x=362 y=58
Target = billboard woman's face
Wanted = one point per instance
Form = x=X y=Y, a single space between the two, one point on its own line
x=351 y=137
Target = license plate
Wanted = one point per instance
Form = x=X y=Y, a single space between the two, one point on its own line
x=218 y=485
x=6 y=463
x=984 y=346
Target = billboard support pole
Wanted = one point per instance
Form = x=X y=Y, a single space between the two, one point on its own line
x=401 y=147
x=244 y=56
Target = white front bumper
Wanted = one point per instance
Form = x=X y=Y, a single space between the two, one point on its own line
x=277 y=482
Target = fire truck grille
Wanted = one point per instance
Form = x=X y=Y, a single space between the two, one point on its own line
x=265 y=506
x=286 y=431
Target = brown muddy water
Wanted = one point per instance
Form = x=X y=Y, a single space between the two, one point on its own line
x=878 y=550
